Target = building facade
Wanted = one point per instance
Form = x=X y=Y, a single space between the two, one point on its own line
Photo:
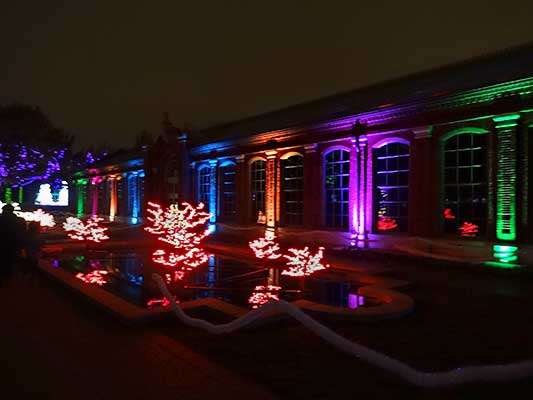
x=443 y=153
x=112 y=188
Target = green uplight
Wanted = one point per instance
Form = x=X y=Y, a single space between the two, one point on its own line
x=505 y=256
x=8 y=196
x=20 y=195
x=506 y=178
x=509 y=117
x=81 y=186
x=504 y=249
x=502 y=265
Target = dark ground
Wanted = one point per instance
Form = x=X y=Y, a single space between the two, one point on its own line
x=55 y=345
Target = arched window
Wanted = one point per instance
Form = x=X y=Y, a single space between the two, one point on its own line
x=292 y=190
x=337 y=183
x=257 y=187
x=465 y=183
x=227 y=191
x=204 y=186
x=391 y=179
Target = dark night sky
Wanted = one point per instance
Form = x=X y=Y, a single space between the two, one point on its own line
x=107 y=69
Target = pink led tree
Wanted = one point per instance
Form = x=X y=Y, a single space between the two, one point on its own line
x=88 y=231
x=182 y=230
x=263 y=294
x=300 y=261
x=95 y=277
x=386 y=223
x=303 y=263
x=266 y=247
x=468 y=229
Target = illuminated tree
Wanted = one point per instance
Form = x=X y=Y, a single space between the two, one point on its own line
x=182 y=230
x=266 y=247
x=300 y=261
x=468 y=229
x=303 y=263
x=386 y=223
x=263 y=294
x=95 y=277
x=88 y=231
x=45 y=219
x=31 y=147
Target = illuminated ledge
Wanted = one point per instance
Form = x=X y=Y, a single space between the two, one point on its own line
x=502 y=265
x=126 y=311
x=393 y=303
x=454 y=251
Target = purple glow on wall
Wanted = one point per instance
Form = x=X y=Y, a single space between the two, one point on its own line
x=355 y=301
x=95 y=181
x=360 y=204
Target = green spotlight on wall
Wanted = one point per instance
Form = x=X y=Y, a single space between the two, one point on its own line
x=505 y=256
x=505 y=253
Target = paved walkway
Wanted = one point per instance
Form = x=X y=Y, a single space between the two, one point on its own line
x=53 y=345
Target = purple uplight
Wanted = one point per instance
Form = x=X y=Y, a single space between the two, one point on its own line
x=355 y=301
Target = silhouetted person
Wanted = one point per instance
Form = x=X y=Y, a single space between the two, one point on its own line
x=12 y=238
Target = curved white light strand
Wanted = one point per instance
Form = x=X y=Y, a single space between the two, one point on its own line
x=428 y=379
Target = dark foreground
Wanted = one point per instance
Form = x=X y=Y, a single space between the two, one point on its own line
x=56 y=345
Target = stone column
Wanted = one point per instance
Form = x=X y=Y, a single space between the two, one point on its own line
x=506 y=210
x=312 y=182
x=357 y=200
x=112 y=182
x=213 y=186
x=526 y=199
x=353 y=218
x=422 y=178
x=81 y=189
x=94 y=182
x=271 y=189
x=133 y=196
x=242 y=190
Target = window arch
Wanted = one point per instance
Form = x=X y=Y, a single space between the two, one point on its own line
x=292 y=189
x=465 y=194
x=204 y=185
x=227 y=190
x=336 y=188
x=257 y=187
x=290 y=154
x=391 y=181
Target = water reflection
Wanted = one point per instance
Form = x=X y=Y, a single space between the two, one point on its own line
x=234 y=281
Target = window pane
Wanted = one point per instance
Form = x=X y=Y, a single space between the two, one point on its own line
x=391 y=179
x=465 y=192
x=257 y=186
x=227 y=195
x=292 y=190
x=336 y=185
x=204 y=185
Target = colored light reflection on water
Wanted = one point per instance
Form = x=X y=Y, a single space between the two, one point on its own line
x=223 y=278
x=355 y=301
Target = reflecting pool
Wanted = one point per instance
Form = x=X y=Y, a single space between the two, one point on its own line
x=128 y=275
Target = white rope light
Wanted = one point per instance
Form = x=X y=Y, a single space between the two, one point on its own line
x=498 y=372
